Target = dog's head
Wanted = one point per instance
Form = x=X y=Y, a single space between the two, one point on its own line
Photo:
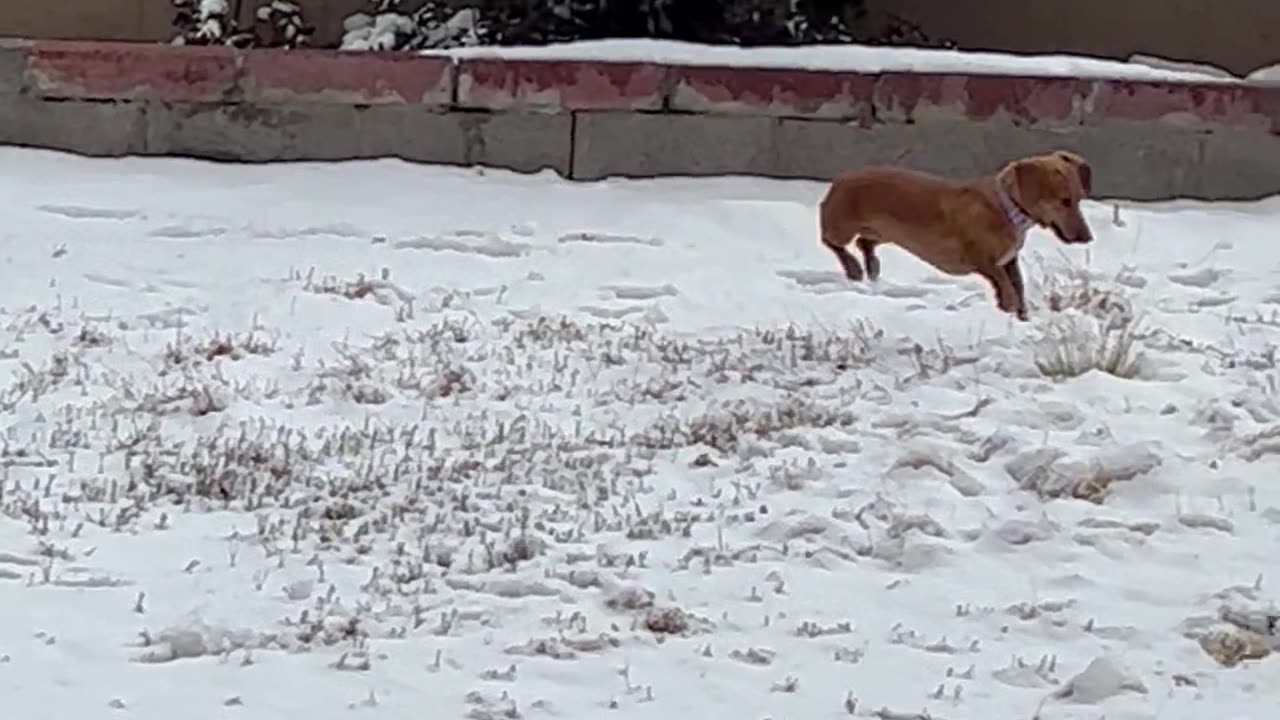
x=1049 y=189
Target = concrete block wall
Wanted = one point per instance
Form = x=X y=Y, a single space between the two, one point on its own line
x=589 y=120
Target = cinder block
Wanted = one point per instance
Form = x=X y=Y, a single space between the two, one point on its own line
x=262 y=133
x=13 y=66
x=1239 y=165
x=648 y=145
x=1129 y=160
x=412 y=132
x=1137 y=161
x=524 y=142
x=820 y=150
x=253 y=133
x=103 y=129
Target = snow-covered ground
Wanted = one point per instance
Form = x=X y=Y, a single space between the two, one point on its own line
x=391 y=441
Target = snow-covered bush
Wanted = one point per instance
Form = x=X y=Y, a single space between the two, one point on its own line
x=1075 y=343
x=279 y=23
x=391 y=25
x=385 y=25
x=204 y=22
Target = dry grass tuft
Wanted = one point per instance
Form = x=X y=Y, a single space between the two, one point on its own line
x=1073 y=345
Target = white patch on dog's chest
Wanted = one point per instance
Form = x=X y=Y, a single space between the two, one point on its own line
x=1020 y=239
x=1020 y=222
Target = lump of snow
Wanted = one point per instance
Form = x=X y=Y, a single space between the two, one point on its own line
x=542 y=647
x=629 y=597
x=505 y=587
x=673 y=621
x=1160 y=63
x=924 y=454
x=1202 y=278
x=1049 y=473
x=1105 y=677
x=1231 y=647
x=793 y=527
x=192 y=640
x=357 y=21
x=1269 y=75
x=184 y=643
x=1023 y=532
x=669 y=621
x=299 y=589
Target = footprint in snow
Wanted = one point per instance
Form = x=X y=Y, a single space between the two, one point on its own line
x=83 y=212
x=171 y=317
x=899 y=292
x=609 y=239
x=823 y=282
x=641 y=292
x=187 y=232
x=1212 y=300
x=109 y=281
x=607 y=313
x=342 y=230
x=471 y=242
x=813 y=278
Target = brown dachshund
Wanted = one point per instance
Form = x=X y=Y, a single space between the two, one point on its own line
x=958 y=228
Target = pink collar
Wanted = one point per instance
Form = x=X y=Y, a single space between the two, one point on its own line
x=1019 y=219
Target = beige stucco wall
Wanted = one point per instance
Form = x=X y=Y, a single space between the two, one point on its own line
x=1239 y=35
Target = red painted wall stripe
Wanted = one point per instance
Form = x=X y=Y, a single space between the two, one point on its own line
x=555 y=86
x=330 y=76
x=125 y=71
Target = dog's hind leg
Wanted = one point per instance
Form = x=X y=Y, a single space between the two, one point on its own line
x=848 y=263
x=867 y=246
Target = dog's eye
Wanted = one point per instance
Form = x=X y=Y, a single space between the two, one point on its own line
x=1066 y=202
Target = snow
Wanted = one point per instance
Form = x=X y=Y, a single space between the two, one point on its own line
x=1269 y=75
x=377 y=440
x=851 y=58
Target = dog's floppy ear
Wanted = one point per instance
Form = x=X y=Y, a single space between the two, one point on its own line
x=1083 y=170
x=1086 y=176
x=1025 y=182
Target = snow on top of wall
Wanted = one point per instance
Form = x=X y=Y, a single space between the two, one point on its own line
x=852 y=58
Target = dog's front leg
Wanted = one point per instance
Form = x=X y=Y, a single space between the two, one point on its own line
x=1006 y=294
x=1015 y=279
